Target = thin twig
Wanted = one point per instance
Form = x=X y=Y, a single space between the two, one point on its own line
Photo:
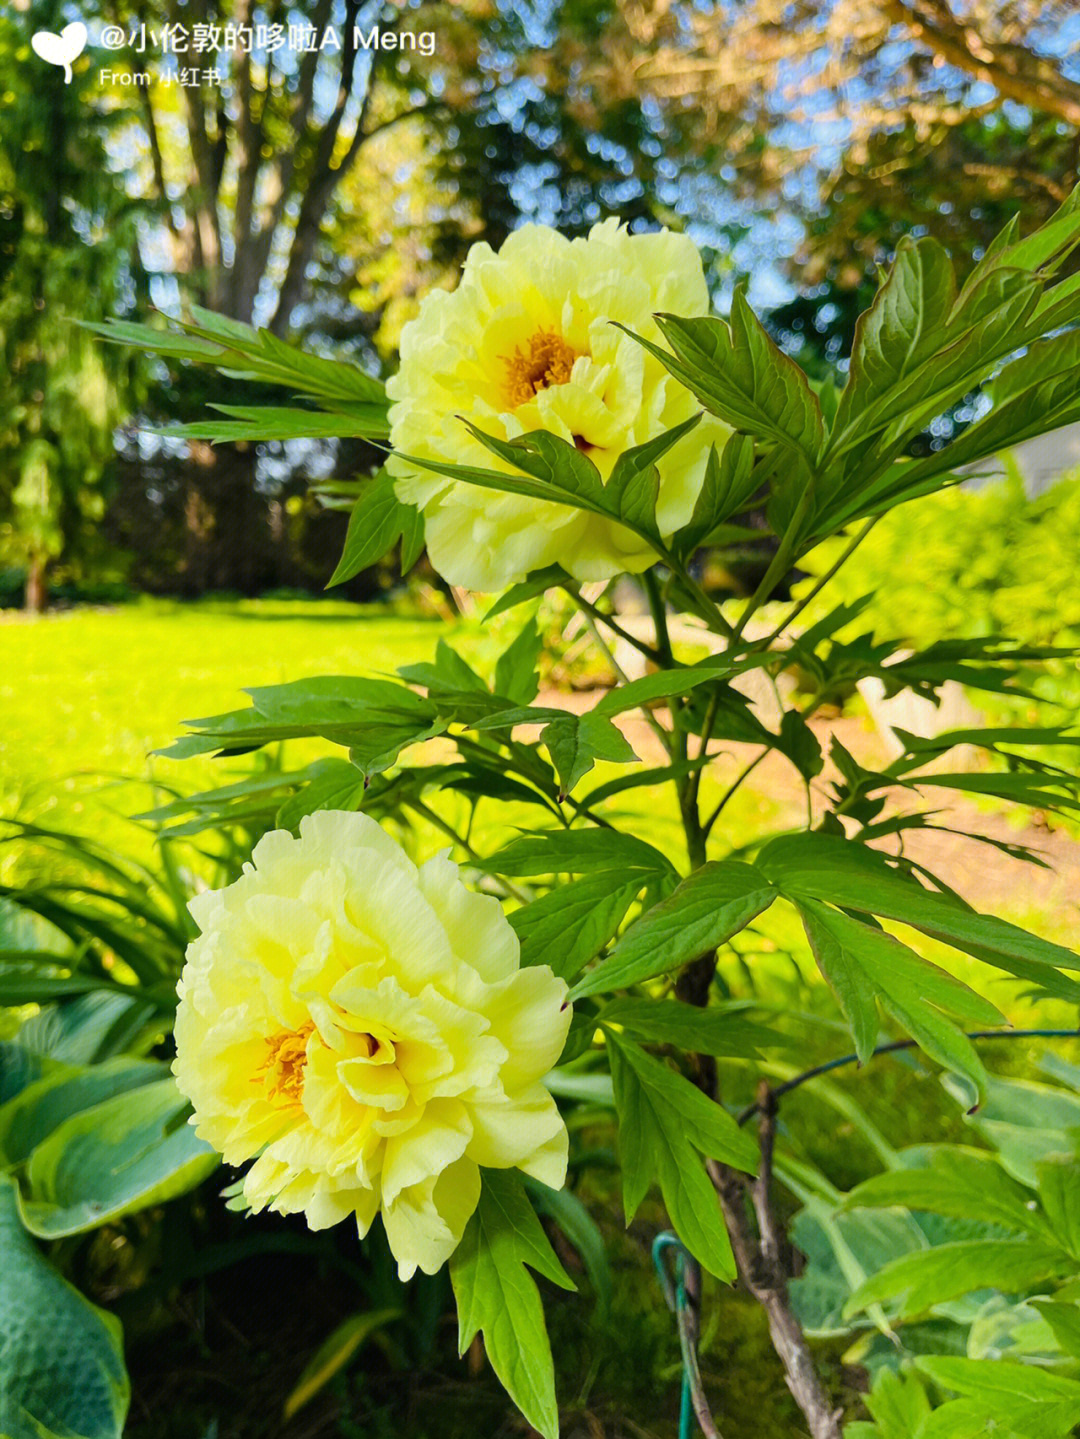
x=893 y=1047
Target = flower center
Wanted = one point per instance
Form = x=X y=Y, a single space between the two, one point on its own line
x=547 y=361
x=282 y=1071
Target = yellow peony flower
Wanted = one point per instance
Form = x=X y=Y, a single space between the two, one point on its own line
x=363 y=1026
x=526 y=343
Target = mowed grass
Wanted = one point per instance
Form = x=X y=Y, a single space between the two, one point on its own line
x=86 y=696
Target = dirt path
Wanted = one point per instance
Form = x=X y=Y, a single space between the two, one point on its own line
x=992 y=881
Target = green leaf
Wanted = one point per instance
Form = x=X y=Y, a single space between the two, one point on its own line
x=724 y=1031
x=1059 y=1190
x=663 y=1120
x=515 y=669
x=948 y=1271
x=731 y=482
x=556 y=463
x=568 y=927
x=583 y=1232
x=741 y=375
x=956 y=1181
x=538 y=583
x=333 y=1354
x=256 y=423
x=1024 y=1398
x=39 y=1108
x=634 y=483
x=863 y=965
x=899 y=1406
x=118 y=1157
x=578 y=851
x=1064 y=1320
x=847 y=874
x=715 y=902
x=661 y=685
x=62 y=1372
x=903 y=327
x=378 y=520
x=576 y=742
x=497 y=1297
x=840 y=1251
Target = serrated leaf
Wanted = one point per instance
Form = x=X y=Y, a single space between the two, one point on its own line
x=497 y=1297
x=715 y=902
x=741 y=375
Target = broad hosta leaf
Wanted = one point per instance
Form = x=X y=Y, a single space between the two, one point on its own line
x=665 y=1123
x=35 y=1112
x=721 y=1031
x=864 y=965
x=378 y=520
x=124 y=1154
x=963 y=1183
x=840 y=1251
x=62 y=1372
x=947 y=1271
x=497 y=1297
x=714 y=903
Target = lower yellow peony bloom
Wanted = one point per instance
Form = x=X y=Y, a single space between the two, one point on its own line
x=362 y=1025
x=526 y=342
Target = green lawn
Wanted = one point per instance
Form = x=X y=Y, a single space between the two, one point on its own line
x=97 y=689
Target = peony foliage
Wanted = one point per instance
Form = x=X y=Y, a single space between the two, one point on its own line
x=382 y=1037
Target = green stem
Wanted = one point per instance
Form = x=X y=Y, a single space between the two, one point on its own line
x=812 y=594
x=610 y=623
x=780 y=562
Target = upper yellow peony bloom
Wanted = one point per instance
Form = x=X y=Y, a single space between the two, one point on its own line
x=526 y=343
x=362 y=1026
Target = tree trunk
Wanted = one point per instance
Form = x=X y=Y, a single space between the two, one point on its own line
x=37 y=586
x=229 y=542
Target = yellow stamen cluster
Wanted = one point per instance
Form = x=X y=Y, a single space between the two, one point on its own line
x=549 y=361
x=282 y=1071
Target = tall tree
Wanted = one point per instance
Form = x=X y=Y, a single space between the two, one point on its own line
x=66 y=237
